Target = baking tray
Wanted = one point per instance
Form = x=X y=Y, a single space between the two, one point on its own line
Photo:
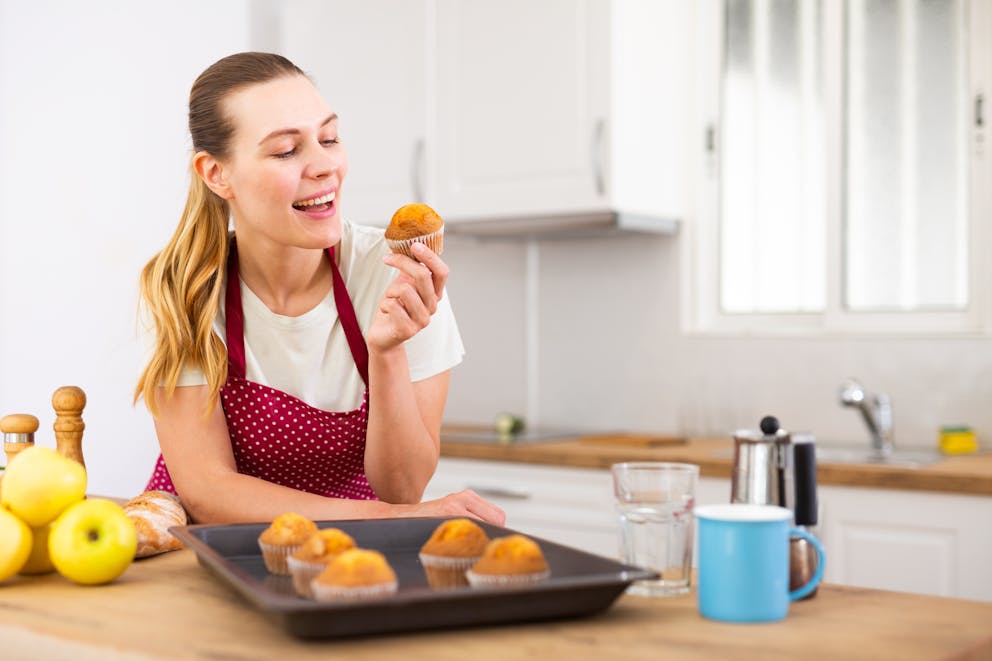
x=580 y=583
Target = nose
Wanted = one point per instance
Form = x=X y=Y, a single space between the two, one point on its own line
x=324 y=161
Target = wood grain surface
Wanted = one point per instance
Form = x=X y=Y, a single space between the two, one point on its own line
x=966 y=474
x=168 y=607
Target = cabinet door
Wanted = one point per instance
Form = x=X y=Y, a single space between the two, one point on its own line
x=369 y=58
x=523 y=94
x=908 y=541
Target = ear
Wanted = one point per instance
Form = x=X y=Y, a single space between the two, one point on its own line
x=212 y=172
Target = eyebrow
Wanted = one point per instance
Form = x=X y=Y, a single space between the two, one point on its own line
x=330 y=118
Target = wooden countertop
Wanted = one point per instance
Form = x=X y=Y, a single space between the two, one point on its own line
x=965 y=474
x=168 y=607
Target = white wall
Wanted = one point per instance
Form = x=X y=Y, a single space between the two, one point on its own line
x=612 y=356
x=93 y=157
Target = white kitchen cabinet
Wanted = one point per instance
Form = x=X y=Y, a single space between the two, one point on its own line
x=571 y=506
x=522 y=106
x=561 y=106
x=370 y=59
x=911 y=541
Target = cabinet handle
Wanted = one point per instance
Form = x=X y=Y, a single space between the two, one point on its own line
x=500 y=492
x=599 y=131
x=416 y=171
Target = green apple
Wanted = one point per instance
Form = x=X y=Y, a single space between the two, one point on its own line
x=40 y=483
x=15 y=544
x=38 y=560
x=92 y=542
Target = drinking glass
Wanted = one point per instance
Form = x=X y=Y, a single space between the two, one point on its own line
x=654 y=502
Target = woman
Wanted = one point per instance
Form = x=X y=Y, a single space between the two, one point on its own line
x=292 y=370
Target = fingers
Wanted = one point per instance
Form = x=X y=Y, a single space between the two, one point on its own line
x=430 y=279
x=418 y=311
x=489 y=513
x=413 y=297
x=397 y=325
x=478 y=507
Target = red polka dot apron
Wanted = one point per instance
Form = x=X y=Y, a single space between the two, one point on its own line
x=278 y=437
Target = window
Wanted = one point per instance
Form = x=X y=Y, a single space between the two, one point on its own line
x=845 y=146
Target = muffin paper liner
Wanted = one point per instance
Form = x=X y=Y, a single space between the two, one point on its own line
x=434 y=241
x=275 y=557
x=504 y=580
x=446 y=571
x=325 y=592
x=303 y=572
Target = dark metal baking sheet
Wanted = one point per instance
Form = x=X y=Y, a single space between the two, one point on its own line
x=580 y=583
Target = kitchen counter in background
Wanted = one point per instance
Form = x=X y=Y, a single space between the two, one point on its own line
x=964 y=474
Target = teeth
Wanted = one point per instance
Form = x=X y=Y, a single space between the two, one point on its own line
x=317 y=200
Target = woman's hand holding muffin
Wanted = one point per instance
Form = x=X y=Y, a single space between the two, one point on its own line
x=408 y=303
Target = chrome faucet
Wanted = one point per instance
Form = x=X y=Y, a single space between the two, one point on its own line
x=876 y=409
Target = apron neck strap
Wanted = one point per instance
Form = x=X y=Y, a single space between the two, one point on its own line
x=349 y=321
x=235 y=319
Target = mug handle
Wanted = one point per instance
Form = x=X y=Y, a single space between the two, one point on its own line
x=821 y=557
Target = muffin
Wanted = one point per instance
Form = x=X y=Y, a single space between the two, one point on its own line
x=355 y=575
x=316 y=553
x=511 y=561
x=285 y=535
x=454 y=546
x=415 y=223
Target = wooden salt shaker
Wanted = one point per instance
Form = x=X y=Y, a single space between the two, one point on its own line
x=68 y=402
x=18 y=433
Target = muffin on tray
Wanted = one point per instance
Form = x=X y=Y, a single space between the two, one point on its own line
x=512 y=561
x=355 y=575
x=415 y=223
x=316 y=553
x=285 y=534
x=454 y=546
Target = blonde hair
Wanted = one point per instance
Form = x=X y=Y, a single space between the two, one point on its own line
x=182 y=286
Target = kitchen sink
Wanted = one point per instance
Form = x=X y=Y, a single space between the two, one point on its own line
x=856 y=454
x=859 y=454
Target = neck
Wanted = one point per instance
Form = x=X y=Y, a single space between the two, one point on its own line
x=289 y=280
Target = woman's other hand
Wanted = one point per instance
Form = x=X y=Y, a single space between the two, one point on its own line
x=464 y=503
x=411 y=299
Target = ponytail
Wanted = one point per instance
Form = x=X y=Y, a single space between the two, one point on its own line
x=181 y=289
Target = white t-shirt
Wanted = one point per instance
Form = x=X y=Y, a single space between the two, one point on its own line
x=308 y=356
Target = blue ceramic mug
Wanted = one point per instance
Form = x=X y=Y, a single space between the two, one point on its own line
x=744 y=562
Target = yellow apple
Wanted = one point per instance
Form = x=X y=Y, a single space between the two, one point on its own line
x=38 y=561
x=15 y=544
x=92 y=542
x=40 y=483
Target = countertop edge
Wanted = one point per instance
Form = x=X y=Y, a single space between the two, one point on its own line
x=951 y=476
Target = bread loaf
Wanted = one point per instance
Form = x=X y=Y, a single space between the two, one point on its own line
x=153 y=513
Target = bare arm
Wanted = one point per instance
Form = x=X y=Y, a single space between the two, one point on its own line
x=197 y=450
x=403 y=440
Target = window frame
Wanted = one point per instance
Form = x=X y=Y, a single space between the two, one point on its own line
x=701 y=311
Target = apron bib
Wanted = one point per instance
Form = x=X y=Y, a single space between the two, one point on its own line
x=278 y=437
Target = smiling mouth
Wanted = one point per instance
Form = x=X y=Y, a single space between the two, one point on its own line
x=321 y=203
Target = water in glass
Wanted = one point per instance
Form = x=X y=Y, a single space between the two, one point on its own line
x=658 y=536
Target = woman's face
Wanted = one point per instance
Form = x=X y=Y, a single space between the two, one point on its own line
x=285 y=164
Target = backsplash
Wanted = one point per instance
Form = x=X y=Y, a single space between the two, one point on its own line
x=611 y=354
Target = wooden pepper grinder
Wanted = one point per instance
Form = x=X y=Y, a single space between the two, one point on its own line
x=68 y=402
x=18 y=433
